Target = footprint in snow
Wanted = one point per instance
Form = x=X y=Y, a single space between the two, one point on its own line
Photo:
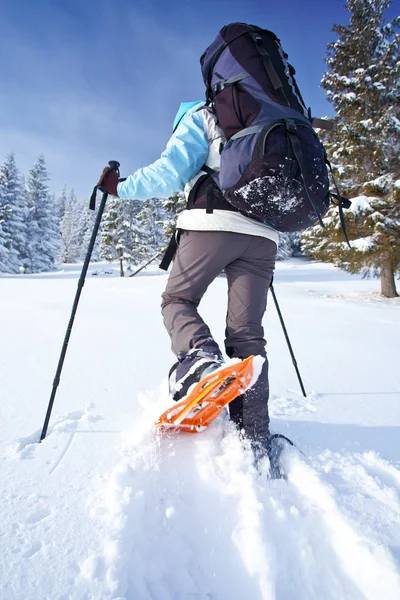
x=32 y=550
x=25 y=447
x=38 y=516
x=281 y=407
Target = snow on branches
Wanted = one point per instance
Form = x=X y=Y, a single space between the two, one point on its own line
x=363 y=84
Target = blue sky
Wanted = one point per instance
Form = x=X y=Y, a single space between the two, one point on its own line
x=83 y=82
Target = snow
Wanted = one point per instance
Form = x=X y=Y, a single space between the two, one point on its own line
x=367 y=123
x=104 y=508
x=383 y=183
x=282 y=200
x=362 y=244
x=360 y=203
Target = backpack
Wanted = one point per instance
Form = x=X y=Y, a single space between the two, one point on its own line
x=273 y=166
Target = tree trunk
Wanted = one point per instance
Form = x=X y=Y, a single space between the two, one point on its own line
x=388 y=286
x=121 y=267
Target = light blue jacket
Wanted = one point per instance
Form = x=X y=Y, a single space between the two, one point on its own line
x=185 y=154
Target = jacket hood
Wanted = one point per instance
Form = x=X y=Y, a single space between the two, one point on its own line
x=184 y=107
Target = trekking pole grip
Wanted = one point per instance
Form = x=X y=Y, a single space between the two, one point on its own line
x=114 y=165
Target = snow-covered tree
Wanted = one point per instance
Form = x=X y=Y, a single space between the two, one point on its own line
x=173 y=206
x=86 y=225
x=363 y=84
x=42 y=226
x=151 y=217
x=132 y=231
x=4 y=239
x=284 y=247
x=121 y=233
x=69 y=229
x=13 y=208
x=61 y=203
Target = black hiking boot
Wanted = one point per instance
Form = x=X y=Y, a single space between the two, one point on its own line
x=272 y=446
x=192 y=367
x=275 y=445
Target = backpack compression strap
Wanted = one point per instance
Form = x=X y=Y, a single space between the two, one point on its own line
x=210 y=70
x=269 y=67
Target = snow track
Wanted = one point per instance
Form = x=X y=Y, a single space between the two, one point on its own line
x=189 y=517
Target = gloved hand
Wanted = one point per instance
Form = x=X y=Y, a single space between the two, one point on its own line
x=108 y=181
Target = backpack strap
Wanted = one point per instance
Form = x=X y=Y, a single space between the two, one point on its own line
x=208 y=75
x=269 y=67
x=341 y=202
x=247 y=131
x=298 y=153
x=210 y=196
x=218 y=87
x=326 y=124
x=171 y=250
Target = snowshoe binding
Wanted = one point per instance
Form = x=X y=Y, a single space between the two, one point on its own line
x=208 y=397
x=192 y=367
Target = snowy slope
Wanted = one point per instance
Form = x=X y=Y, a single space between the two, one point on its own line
x=105 y=509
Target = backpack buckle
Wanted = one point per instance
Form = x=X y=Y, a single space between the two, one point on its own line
x=217 y=88
x=291 y=126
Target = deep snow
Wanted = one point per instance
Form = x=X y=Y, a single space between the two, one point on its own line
x=104 y=508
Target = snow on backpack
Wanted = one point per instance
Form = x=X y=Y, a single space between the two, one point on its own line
x=273 y=166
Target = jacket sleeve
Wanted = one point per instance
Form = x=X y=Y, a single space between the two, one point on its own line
x=185 y=154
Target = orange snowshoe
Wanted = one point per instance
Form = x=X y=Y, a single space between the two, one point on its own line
x=208 y=397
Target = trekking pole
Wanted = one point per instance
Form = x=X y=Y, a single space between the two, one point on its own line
x=114 y=166
x=148 y=262
x=287 y=340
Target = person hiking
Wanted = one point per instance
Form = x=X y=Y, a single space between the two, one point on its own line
x=208 y=244
x=250 y=165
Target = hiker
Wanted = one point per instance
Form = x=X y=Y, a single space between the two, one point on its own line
x=208 y=244
x=249 y=118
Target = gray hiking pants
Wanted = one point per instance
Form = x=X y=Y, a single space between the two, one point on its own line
x=249 y=263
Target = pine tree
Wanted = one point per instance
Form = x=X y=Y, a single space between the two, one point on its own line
x=43 y=234
x=13 y=214
x=284 y=247
x=4 y=239
x=151 y=217
x=173 y=206
x=86 y=225
x=69 y=229
x=363 y=84
x=121 y=233
x=61 y=203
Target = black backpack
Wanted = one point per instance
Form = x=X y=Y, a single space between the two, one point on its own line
x=273 y=166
